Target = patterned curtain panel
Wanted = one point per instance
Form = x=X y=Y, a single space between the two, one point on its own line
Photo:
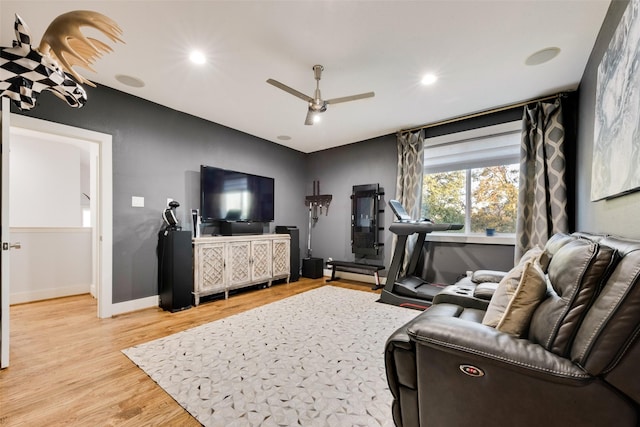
x=409 y=182
x=542 y=199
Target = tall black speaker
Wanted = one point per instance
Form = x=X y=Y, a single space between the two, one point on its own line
x=294 y=249
x=175 y=277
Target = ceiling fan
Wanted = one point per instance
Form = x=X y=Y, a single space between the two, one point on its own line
x=316 y=104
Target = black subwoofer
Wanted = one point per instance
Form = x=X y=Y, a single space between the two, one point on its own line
x=312 y=268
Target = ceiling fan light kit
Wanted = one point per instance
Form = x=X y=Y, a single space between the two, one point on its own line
x=316 y=104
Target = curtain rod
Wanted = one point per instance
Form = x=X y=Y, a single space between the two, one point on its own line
x=481 y=113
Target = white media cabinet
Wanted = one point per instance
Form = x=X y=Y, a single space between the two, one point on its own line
x=223 y=263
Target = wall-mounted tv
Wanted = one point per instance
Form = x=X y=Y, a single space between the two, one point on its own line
x=227 y=195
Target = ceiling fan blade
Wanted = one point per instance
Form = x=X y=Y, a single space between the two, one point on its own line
x=290 y=90
x=350 y=98
x=310 y=117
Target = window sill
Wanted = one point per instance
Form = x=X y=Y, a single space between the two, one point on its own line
x=500 y=239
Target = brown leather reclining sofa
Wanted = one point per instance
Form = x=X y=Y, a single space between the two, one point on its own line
x=573 y=358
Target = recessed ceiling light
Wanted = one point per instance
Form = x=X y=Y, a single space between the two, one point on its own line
x=429 y=79
x=129 y=80
x=283 y=137
x=197 y=57
x=542 y=56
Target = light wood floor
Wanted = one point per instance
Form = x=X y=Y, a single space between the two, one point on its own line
x=66 y=367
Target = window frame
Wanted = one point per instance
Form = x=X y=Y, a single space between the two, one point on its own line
x=514 y=126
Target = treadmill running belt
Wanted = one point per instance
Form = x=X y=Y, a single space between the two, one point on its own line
x=416 y=287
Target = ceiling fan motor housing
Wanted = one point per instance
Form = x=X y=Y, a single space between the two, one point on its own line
x=317 y=104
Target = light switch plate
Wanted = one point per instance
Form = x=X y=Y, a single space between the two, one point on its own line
x=137 y=202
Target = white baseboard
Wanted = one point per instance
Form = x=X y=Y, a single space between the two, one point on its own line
x=134 y=305
x=42 y=294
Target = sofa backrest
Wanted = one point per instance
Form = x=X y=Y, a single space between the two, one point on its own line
x=557 y=241
x=612 y=324
x=577 y=270
x=553 y=245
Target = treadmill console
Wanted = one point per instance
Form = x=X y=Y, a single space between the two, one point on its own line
x=399 y=211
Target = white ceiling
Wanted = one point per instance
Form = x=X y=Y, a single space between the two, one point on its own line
x=478 y=48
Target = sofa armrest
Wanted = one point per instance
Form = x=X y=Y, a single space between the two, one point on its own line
x=482 y=276
x=462 y=294
x=485 y=291
x=454 y=335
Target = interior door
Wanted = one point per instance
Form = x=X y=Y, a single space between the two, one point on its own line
x=4 y=235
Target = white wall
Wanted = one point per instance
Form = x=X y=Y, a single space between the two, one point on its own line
x=52 y=263
x=45 y=188
x=47 y=179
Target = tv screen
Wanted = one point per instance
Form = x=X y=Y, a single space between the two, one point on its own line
x=227 y=195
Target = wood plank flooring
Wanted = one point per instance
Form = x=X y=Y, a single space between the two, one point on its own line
x=66 y=367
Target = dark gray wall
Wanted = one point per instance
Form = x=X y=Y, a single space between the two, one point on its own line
x=157 y=153
x=338 y=170
x=446 y=262
x=616 y=216
x=375 y=162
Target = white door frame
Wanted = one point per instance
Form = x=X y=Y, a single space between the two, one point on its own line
x=6 y=257
x=104 y=217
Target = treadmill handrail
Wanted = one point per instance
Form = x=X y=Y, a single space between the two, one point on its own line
x=407 y=228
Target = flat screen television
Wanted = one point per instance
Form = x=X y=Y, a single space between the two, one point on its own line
x=227 y=195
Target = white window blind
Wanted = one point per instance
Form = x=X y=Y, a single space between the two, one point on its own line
x=476 y=148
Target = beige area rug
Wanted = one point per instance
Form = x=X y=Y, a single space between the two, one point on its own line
x=313 y=359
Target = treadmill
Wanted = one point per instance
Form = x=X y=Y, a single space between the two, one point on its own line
x=405 y=289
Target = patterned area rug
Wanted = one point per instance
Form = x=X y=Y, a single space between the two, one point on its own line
x=313 y=359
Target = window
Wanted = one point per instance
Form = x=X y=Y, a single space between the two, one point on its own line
x=472 y=177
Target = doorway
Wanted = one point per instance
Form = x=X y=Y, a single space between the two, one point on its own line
x=98 y=145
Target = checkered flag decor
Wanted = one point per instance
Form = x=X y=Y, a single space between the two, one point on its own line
x=26 y=71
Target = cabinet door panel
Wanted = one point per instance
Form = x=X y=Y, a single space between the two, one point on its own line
x=281 y=258
x=261 y=260
x=238 y=256
x=211 y=268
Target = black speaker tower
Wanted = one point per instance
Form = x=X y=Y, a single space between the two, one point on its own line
x=294 y=249
x=175 y=277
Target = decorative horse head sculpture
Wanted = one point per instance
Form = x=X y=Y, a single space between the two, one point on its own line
x=26 y=71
